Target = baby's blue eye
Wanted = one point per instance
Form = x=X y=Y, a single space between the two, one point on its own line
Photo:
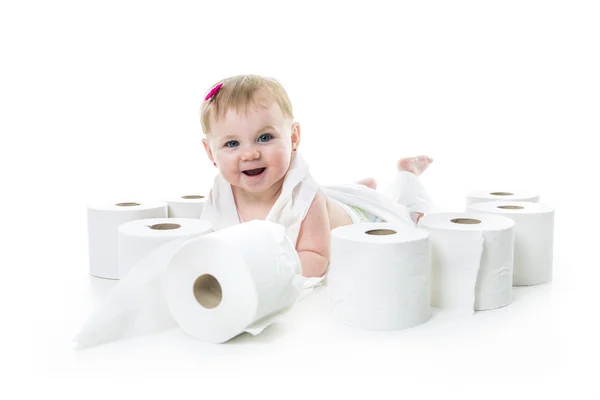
x=265 y=138
x=232 y=143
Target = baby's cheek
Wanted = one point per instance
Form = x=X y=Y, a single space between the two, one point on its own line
x=283 y=160
x=224 y=159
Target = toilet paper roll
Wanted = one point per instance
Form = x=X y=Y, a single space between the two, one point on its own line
x=137 y=305
x=103 y=222
x=379 y=276
x=233 y=280
x=471 y=261
x=188 y=206
x=534 y=238
x=481 y=196
x=139 y=238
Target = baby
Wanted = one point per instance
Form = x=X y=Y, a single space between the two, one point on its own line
x=252 y=138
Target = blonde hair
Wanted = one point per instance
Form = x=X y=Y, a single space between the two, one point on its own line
x=239 y=93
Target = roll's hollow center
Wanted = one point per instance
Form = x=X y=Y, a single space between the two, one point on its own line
x=164 y=227
x=501 y=194
x=207 y=291
x=470 y=221
x=192 y=197
x=381 y=232
x=127 y=204
x=511 y=207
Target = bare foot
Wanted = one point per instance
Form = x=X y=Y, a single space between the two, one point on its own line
x=416 y=165
x=369 y=182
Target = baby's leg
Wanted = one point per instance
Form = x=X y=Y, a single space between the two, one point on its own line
x=407 y=188
x=415 y=165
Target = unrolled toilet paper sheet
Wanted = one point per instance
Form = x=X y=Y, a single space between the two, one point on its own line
x=136 y=306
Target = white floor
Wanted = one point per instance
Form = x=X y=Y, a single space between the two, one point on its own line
x=539 y=345
x=99 y=100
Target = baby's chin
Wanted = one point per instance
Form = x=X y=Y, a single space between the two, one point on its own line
x=260 y=186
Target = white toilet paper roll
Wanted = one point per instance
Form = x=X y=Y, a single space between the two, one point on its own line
x=481 y=196
x=471 y=261
x=188 y=206
x=103 y=222
x=233 y=280
x=534 y=238
x=379 y=276
x=139 y=238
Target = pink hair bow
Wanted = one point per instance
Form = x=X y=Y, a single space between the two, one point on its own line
x=213 y=91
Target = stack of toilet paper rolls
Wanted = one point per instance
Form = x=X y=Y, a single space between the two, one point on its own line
x=104 y=221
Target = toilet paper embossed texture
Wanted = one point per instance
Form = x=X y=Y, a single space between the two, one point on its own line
x=481 y=196
x=137 y=239
x=103 y=222
x=232 y=281
x=188 y=206
x=379 y=281
x=471 y=261
x=534 y=238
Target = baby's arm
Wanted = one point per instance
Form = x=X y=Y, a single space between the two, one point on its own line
x=314 y=238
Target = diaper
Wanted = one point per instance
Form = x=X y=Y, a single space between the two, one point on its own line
x=359 y=215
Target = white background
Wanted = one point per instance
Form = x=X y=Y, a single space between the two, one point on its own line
x=99 y=101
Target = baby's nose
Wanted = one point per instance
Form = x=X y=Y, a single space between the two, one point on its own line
x=250 y=154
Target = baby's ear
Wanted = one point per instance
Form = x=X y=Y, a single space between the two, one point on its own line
x=207 y=149
x=295 y=134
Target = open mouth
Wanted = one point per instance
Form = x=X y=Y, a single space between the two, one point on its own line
x=254 y=172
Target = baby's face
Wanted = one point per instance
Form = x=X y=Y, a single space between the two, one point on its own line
x=253 y=150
